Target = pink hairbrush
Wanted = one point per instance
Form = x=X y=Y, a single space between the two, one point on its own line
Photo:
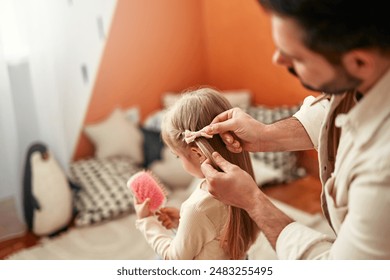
x=144 y=185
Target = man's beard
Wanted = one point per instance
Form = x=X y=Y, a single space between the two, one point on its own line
x=345 y=82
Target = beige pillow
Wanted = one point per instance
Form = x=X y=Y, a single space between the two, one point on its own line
x=238 y=98
x=116 y=136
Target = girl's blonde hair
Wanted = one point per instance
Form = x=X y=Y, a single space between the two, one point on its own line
x=193 y=111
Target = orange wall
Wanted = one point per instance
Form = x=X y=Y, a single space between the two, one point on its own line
x=152 y=47
x=159 y=46
x=239 y=53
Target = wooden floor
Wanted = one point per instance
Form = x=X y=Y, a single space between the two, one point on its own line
x=303 y=194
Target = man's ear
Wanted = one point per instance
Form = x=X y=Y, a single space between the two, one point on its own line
x=359 y=63
x=198 y=154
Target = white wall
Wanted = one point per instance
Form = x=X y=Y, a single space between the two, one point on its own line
x=58 y=41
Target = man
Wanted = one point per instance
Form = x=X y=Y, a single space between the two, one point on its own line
x=340 y=48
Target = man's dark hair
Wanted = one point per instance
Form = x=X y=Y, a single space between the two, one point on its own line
x=333 y=27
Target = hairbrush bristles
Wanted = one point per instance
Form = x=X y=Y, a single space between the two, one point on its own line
x=145 y=185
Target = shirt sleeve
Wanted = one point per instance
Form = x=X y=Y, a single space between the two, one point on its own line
x=157 y=236
x=312 y=117
x=297 y=241
x=194 y=231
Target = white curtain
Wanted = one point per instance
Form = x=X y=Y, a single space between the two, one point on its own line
x=45 y=48
x=18 y=119
x=8 y=134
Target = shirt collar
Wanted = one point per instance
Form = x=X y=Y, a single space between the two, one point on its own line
x=369 y=113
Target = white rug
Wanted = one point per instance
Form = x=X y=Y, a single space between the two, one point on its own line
x=119 y=239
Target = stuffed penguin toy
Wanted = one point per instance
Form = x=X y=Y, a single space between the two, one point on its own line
x=47 y=195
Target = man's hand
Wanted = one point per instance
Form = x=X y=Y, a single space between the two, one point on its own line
x=238 y=130
x=169 y=217
x=233 y=186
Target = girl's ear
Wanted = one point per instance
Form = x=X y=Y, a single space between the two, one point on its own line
x=198 y=154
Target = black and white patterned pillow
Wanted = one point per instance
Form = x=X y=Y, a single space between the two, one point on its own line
x=103 y=192
x=284 y=161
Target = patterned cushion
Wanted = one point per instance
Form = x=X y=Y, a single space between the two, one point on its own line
x=286 y=162
x=103 y=193
x=272 y=114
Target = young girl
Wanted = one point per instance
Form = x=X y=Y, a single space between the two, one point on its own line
x=206 y=228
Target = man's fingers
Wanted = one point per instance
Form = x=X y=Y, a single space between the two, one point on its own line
x=221 y=162
x=227 y=137
x=223 y=129
x=220 y=127
x=207 y=169
x=224 y=116
x=235 y=147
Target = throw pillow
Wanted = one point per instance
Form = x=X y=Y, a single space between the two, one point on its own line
x=154 y=120
x=116 y=136
x=152 y=146
x=264 y=173
x=238 y=98
x=102 y=193
x=132 y=114
x=269 y=115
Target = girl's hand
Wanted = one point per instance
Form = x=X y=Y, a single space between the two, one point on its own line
x=169 y=217
x=142 y=209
